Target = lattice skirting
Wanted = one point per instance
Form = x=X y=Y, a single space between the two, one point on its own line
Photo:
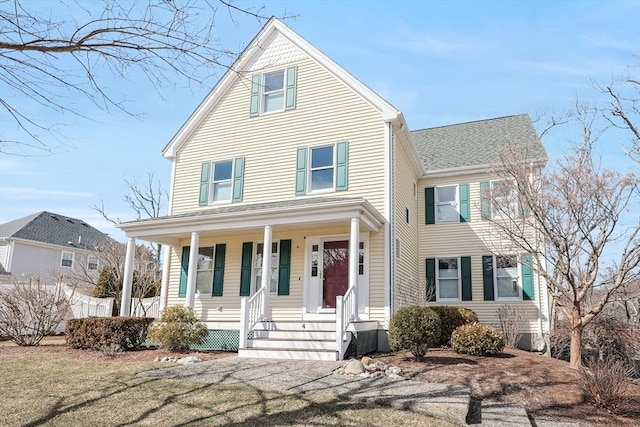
x=220 y=339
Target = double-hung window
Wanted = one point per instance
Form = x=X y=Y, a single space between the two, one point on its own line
x=507 y=279
x=447 y=204
x=221 y=182
x=204 y=270
x=273 y=92
x=504 y=199
x=67 y=259
x=92 y=262
x=448 y=279
x=273 y=275
x=322 y=168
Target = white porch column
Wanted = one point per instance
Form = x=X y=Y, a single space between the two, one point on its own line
x=266 y=271
x=164 y=287
x=127 y=283
x=354 y=255
x=193 y=269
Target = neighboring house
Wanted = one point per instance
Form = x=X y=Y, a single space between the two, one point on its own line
x=48 y=245
x=293 y=167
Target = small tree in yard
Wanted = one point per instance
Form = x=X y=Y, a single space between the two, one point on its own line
x=513 y=323
x=415 y=329
x=569 y=219
x=177 y=328
x=30 y=311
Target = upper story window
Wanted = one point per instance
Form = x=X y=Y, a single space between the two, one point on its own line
x=273 y=91
x=67 y=259
x=92 y=262
x=507 y=279
x=221 y=181
x=323 y=168
x=500 y=199
x=448 y=203
x=448 y=279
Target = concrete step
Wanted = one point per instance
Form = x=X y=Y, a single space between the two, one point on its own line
x=298 y=325
x=288 y=353
x=501 y=414
x=310 y=344
x=294 y=334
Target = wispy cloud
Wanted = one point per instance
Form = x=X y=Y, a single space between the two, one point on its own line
x=418 y=42
x=10 y=166
x=28 y=193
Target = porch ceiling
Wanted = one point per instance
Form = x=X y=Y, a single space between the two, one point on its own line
x=310 y=213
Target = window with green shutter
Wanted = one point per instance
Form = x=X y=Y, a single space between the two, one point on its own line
x=284 y=272
x=487 y=277
x=245 y=269
x=222 y=181
x=274 y=91
x=431 y=279
x=218 y=269
x=322 y=169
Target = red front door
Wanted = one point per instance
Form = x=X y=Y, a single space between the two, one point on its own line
x=335 y=277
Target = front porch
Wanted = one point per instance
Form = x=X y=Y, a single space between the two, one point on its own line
x=315 y=300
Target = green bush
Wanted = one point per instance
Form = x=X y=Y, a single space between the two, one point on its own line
x=452 y=318
x=177 y=329
x=477 y=340
x=100 y=333
x=414 y=329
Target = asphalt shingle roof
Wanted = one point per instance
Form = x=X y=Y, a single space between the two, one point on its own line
x=475 y=143
x=55 y=229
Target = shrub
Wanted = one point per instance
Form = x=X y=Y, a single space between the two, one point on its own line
x=453 y=317
x=477 y=340
x=108 y=334
x=415 y=329
x=177 y=328
x=30 y=311
x=513 y=321
x=605 y=383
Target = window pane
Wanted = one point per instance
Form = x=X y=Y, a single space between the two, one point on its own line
x=322 y=179
x=321 y=157
x=448 y=267
x=205 y=258
x=446 y=194
x=222 y=191
x=274 y=102
x=448 y=288
x=448 y=213
x=508 y=288
x=204 y=281
x=274 y=81
x=222 y=170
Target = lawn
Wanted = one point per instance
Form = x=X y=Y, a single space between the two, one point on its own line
x=52 y=386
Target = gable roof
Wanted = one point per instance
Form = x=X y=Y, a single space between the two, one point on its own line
x=475 y=145
x=54 y=229
x=237 y=71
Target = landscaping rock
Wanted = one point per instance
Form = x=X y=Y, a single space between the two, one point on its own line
x=366 y=361
x=354 y=367
x=189 y=360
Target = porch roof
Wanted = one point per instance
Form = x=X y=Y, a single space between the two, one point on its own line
x=247 y=218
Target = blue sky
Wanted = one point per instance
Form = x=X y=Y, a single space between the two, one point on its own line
x=440 y=62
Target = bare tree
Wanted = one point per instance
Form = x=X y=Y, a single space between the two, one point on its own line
x=53 y=50
x=574 y=220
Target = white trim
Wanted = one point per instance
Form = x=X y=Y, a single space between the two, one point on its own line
x=436 y=203
x=438 y=298
x=210 y=200
x=73 y=256
x=388 y=311
x=333 y=167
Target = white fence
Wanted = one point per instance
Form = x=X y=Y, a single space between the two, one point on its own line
x=86 y=306
x=145 y=307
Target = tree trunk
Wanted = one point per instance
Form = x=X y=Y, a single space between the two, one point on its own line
x=575 y=357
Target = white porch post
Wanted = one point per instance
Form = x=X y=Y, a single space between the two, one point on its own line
x=354 y=256
x=266 y=271
x=193 y=270
x=129 y=261
x=164 y=287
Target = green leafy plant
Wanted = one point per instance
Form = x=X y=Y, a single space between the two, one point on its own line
x=453 y=317
x=415 y=329
x=177 y=329
x=477 y=340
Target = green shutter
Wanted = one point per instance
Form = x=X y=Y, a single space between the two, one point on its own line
x=245 y=269
x=284 y=270
x=204 y=184
x=238 y=179
x=465 y=205
x=429 y=205
x=301 y=171
x=254 y=107
x=182 y=289
x=431 y=279
x=342 y=166
x=487 y=277
x=291 y=90
x=527 y=278
x=485 y=201
x=218 y=269
x=465 y=262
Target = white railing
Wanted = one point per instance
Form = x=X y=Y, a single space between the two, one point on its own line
x=145 y=307
x=345 y=314
x=250 y=314
x=86 y=306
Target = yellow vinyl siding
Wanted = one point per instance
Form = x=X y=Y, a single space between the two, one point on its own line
x=327 y=112
x=469 y=239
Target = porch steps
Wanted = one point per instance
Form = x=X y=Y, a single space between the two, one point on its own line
x=292 y=340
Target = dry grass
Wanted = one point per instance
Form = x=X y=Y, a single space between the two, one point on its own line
x=54 y=387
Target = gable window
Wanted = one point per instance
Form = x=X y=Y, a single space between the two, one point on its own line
x=448 y=279
x=273 y=275
x=507 y=279
x=92 y=262
x=67 y=259
x=273 y=91
x=221 y=181
x=323 y=168
x=447 y=204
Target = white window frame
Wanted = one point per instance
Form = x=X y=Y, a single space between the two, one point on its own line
x=62 y=259
x=495 y=279
x=199 y=270
x=89 y=263
x=456 y=203
x=514 y=211
x=264 y=93
x=333 y=167
x=213 y=182
x=254 y=267
x=438 y=298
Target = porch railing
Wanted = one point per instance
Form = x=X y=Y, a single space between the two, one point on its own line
x=250 y=314
x=345 y=314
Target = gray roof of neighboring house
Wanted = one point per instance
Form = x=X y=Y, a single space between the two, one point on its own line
x=55 y=229
x=475 y=144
